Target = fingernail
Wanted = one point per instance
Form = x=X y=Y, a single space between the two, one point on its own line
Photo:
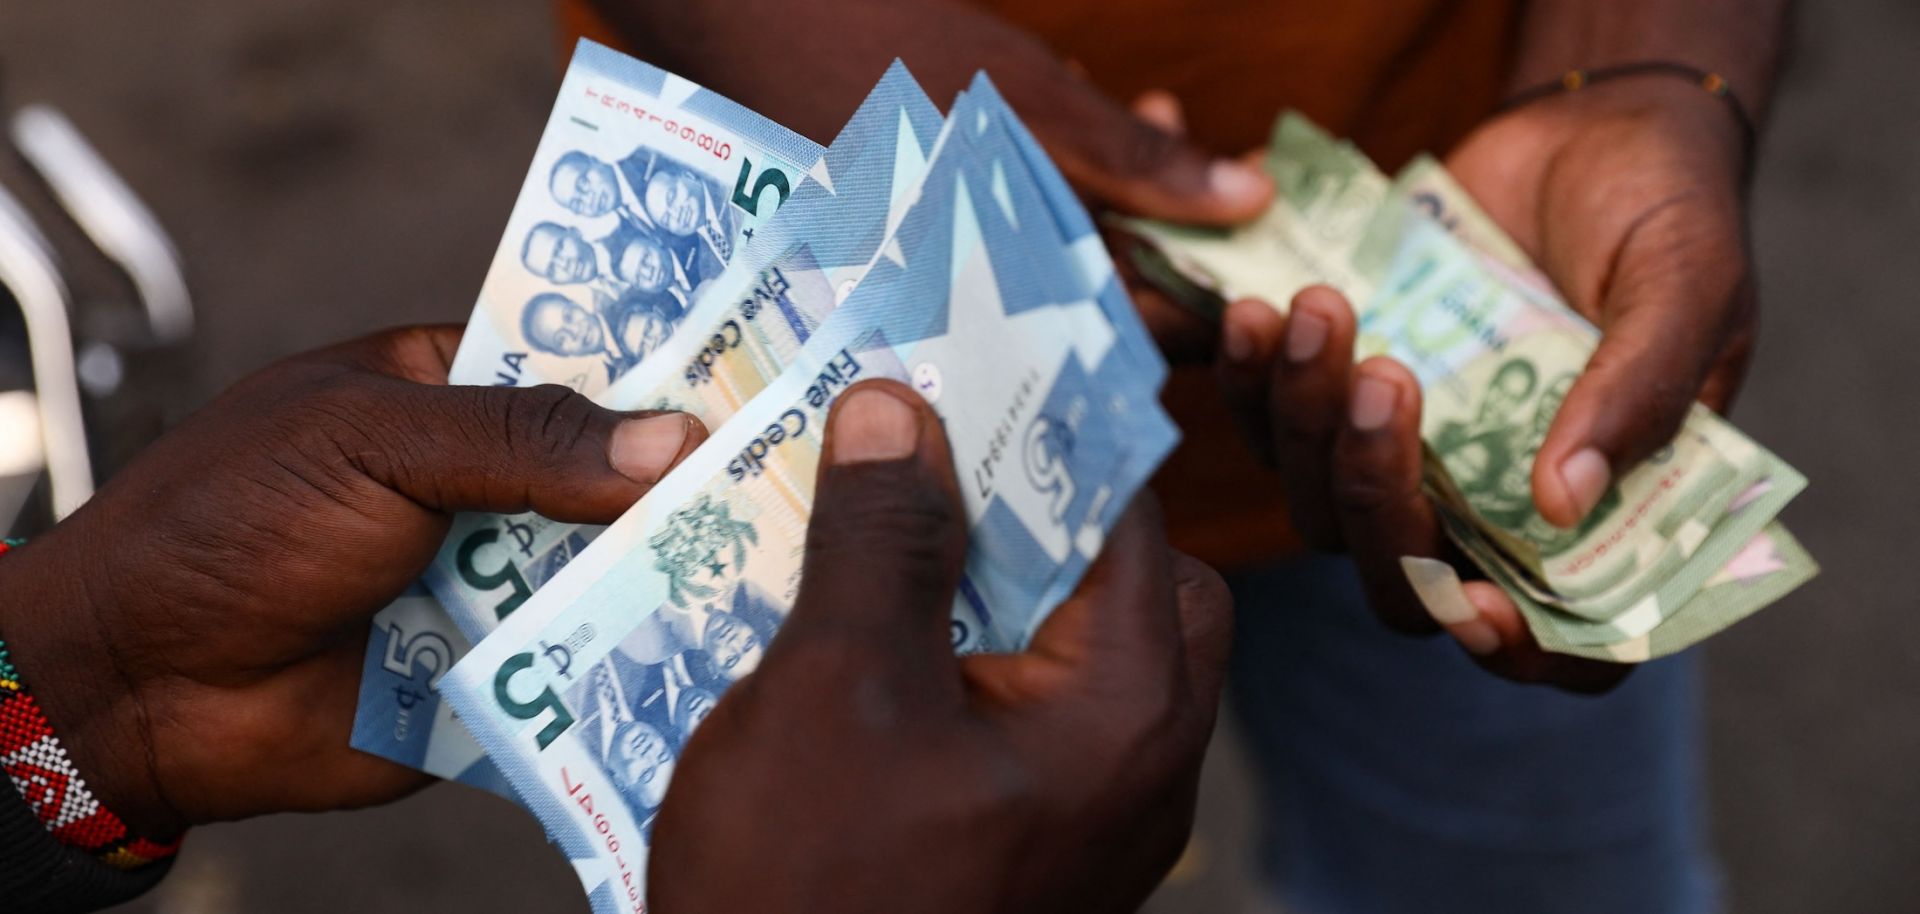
x=1236 y=181
x=1439 y=590
x=1235 y=342
x=1306 y=335
x=873 y=425
x=1476 y=635
x=1586 y=476
x=643 y=448
x=1372 y=403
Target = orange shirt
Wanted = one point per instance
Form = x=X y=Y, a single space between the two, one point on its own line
x=1397 y=76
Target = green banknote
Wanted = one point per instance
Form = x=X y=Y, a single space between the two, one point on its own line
x=1328 y=194
x=1439 y=286
x=1766 y=568
x=1696 y=545
x=1494 y=370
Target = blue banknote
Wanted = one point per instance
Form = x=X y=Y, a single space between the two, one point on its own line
x=643 y=188
x=742 y=330
x=839 y=212
x=1003 y=137
x=401 y=717
x=586 y=694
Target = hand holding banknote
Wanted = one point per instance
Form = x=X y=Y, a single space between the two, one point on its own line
x=1631 y=197
x=1346 y=438
x=977 y=783
x=196 y=631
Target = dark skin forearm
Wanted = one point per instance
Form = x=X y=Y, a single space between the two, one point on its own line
x=807 y=66
x=1739 y=39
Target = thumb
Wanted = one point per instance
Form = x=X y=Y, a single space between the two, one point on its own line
x=1146 y=168
x=885 y=543
x=505 y=450
x=1672 y=309
x=1206 y=625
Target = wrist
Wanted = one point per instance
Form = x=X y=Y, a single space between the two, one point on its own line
x=51 y=627
x=1687 y=114
x=1739 y=39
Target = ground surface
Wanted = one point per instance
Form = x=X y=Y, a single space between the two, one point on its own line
x=330 y=166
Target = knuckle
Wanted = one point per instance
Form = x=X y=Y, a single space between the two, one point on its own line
x=897 y=516
x=337 y=426
x=341 y=407
x=1370 y=493
x=1661 y=409
x=1155 y=716
x=1201 y=583
x=1138 y=751
x=1140 y=151
x=1306 y=409
x=1304 y=445
x=386 y=350
x=414 y=353
x=1203 y=589
x=999 y=785
x=1143 y=727
x=394 y=352
x=543 y=425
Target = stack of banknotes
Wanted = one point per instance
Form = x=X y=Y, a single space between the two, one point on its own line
x=671 y=249
x=1683 y=545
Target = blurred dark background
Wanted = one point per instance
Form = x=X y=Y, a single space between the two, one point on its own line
x=329 y=167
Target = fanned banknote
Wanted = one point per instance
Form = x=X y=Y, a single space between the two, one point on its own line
x=585 y=695
x=1437 y=285
x=1494 y=369
x=1088 y=273
x=838 y=213
x=643 y=187
x=744 y=324
x=1668 y=526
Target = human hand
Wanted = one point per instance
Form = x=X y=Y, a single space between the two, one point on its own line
x=1133 y=161
x=1630 y=195
x=195 y=633
x=862 y=767
x=1346 y=439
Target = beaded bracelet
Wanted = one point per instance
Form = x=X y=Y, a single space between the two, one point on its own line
x=1712 y=83
x=52 y=786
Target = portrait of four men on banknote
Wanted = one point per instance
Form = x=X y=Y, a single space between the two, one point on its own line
x=627 y=252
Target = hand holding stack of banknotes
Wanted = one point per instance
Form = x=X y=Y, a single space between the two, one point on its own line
x=1681 y=547
x=672 y=250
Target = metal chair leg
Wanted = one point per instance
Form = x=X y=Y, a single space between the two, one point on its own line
x=111 y=215
x=27 y=269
